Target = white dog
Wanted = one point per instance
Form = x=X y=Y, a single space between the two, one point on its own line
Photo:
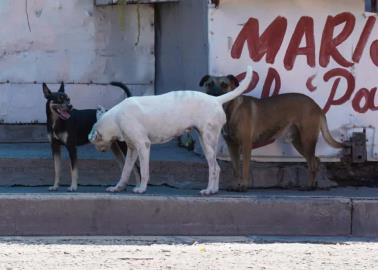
x=142 y=121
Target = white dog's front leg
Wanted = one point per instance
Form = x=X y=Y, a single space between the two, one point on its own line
x=131 y=157
x=117 y=152
x=144 y=159
x=136 y=175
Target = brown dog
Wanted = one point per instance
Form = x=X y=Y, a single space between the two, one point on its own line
x=252 y=121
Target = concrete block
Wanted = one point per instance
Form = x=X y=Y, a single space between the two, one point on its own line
x=365 y=218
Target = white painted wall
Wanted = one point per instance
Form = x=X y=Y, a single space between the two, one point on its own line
x=225 y=24
x=76 y=42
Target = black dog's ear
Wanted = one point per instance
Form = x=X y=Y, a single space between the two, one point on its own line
x=61 y=89
x=46 y=91
x=233 y=79
x=203 y=80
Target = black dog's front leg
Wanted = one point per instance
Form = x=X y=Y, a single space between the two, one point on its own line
x=55 y=149
x=74 y=172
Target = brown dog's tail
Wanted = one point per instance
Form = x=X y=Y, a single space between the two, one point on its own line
x=327 y=135
x=239 y=90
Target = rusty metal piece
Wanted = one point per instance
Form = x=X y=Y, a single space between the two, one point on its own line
x=215 y=2
x=355 y=152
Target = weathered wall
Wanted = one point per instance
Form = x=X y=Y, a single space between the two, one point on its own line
x=181 y=45
x=76 y=42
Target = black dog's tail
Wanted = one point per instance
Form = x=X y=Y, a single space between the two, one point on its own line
x=124 y=88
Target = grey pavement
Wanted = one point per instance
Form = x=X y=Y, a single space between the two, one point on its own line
x=339 y=192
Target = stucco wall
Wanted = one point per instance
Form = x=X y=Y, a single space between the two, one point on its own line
x=78 y=43
x=181 y=45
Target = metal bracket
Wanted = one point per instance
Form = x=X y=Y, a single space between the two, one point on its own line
x=355 y=151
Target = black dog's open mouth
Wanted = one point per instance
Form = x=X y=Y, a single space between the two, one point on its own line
x=63 y=114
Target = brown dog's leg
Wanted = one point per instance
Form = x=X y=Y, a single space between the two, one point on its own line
x=313 y=169
x=247 y=148
x=305 y=143
x=234 y=150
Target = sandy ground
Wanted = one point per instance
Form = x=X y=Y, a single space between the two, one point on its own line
x=187 y=253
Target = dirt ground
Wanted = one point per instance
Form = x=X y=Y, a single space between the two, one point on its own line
x=187 y=253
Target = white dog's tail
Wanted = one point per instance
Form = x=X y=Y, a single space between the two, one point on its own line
x=239 y=90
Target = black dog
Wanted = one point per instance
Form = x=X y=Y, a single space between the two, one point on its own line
x=70 y=127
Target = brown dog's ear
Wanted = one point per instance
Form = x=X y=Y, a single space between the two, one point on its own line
x=61 y=89
x=46 y=91
x=203 y=80
x=233 y=79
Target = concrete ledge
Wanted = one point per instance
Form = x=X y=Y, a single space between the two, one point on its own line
x=169 y=165
x=23 y=133
x=365 y=218
x=124 y=214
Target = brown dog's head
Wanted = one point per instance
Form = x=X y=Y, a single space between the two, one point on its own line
x=58 y=102
x=216 y=86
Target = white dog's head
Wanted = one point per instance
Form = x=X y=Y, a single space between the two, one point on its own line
x=101 y=134
x=98 y=140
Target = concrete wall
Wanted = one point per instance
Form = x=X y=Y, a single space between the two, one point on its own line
x=181 y=45
x=76 y=42
x=87 y=46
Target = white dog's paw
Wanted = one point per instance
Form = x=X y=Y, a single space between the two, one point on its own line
x=114 y=189
x=53 y=188
x=72 y=188
x=208 y=191
x=139 y=190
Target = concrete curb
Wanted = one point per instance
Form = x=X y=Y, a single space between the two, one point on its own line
x=112 y=214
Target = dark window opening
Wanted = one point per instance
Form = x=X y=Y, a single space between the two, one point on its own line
x=371 y=6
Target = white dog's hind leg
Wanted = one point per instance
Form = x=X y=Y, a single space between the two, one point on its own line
x=131 y=157
x=209 y=142
x=144 y=160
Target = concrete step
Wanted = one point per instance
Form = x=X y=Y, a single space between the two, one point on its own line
x=168 y=211
x=24 y=151
x=30 y=164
